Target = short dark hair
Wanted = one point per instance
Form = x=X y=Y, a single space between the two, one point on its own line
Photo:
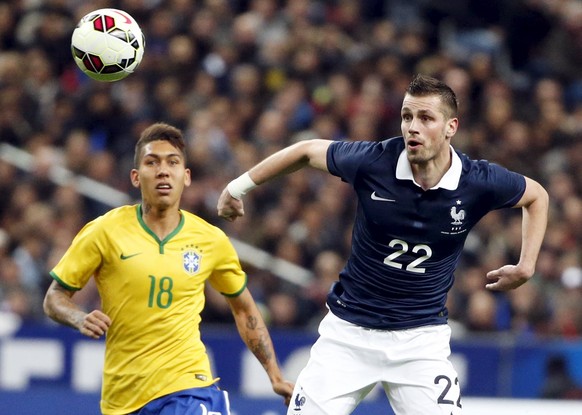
x=423 y=85
x=159 y=131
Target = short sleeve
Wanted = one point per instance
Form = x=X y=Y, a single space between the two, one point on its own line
x=228 y=277
x=508 y=186
x=344 y=158
x=82 y=259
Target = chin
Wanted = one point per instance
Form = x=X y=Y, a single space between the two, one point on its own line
x=161 y=203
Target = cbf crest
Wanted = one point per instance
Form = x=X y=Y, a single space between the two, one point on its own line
x=191 y=260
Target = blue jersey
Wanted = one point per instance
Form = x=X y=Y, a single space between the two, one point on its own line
x=406 y=242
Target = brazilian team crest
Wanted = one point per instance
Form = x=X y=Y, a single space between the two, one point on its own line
x=191 y=261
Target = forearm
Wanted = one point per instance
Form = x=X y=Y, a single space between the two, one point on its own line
x=534 y=224
x=254 y=333
x=283 y=162
x=305 y=153
x=59 y=306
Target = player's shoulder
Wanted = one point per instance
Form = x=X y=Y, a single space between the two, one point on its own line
x=393 y=143
x=369 y=148
x=115 y=216
x=113 y=221
x=477 y=165
x=118 y=215
x=485 y=171
x=193 y=221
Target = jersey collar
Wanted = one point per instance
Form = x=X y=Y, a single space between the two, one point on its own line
x=449 y=181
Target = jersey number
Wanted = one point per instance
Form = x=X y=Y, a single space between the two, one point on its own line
x=442 y=399
x=160 y=293
x=414 y=265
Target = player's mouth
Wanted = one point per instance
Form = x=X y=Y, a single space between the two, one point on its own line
x=413 y=144
x=164 y=188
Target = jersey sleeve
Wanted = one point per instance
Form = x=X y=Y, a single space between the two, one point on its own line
x=344 y=158
x=82 y=259
x=509 y=186
x=228 y=277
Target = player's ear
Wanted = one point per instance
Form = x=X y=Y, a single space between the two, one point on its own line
x=187 y=177
x=134 y=177
x=452 y=126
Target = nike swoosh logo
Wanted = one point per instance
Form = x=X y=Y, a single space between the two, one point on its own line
x=124 y=257
x=381 y=199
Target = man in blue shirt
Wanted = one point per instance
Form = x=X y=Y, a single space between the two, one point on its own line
x=418 y=198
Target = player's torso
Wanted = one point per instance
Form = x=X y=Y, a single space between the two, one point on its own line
x=153 y=291
x=146 y=282
x=406 y=241
x=407 y=227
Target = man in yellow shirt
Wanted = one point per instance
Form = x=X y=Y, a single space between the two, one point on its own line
x=150 y=263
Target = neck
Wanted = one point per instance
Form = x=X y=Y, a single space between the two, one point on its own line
x=428 y=173
x=162 y=222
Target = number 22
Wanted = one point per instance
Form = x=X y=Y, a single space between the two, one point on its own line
x=442 y=398
x=414 y=265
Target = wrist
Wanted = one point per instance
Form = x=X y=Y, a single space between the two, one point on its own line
x=241 y=186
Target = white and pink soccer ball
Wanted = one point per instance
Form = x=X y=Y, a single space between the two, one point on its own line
x=107 y=44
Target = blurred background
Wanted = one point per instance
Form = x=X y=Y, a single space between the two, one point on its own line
x=243 y=79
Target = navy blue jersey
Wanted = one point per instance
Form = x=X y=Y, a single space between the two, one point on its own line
x=406 y=242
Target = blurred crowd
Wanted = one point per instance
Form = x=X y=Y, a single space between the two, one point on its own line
x=244 y=78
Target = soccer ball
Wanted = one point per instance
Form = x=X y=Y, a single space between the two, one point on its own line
x=107 y=44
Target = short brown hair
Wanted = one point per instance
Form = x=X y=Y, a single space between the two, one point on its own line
x=159 y=131
x=423 y=85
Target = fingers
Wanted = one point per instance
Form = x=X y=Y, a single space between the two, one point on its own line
x=228 y=207
x=95 y=324
x=229 y=214
x=494 y=286
x=505 y=278
x=285 y=389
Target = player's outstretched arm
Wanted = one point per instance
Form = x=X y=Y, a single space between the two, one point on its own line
x=59 y=306
x=311 y=153
x=534 y=204
x=254 y=332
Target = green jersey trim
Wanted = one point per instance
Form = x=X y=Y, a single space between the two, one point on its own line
x=239 y=292
x=145 y=227
x=62 y=283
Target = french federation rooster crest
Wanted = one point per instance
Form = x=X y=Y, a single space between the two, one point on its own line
x=299 y=402
x=458 y=217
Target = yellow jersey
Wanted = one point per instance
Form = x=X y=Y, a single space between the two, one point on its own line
x=153 y=291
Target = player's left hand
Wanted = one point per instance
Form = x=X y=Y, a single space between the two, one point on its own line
x=228 y=207
x=506 y=278
x=285 y=389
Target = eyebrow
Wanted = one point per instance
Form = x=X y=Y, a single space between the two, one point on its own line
x=159 y=156
x=420 y=112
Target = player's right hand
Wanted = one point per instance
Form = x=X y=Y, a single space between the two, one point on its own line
x=228 y=207
x=285 y=389
x=95 y=324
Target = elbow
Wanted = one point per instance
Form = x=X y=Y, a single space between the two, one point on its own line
x=47 y=306
x=543 y=200
x=538 y=197
x=546 y=199
x=542 y=195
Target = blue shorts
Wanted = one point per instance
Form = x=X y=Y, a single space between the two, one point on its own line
x=196 y=401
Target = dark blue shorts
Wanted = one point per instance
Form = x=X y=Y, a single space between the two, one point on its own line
x=196 y=401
